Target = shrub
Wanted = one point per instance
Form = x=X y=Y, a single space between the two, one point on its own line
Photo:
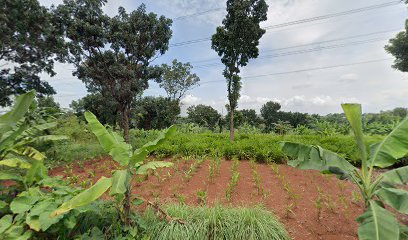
x=203 y=223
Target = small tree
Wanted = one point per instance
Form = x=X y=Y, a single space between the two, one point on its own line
x=236 y=42
x=269 y=113
x=178 y=79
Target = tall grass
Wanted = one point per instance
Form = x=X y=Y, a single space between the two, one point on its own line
x=204 y=223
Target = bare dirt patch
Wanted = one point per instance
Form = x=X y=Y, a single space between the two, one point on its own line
x=311 y=205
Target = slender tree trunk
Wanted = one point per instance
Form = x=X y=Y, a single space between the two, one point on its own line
x=125 y=123
x=126 y=203
x=231 y=124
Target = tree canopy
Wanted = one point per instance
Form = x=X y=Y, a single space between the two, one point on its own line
x=203 y=115
x=31 y=41
x=177 y=79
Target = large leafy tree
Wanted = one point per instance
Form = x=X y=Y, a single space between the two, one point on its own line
x=113 y=55
x=250 y=117
x=30 y=42
x=236 y=41
x=104 y=108
x=203 y=115
x=155 y=112
x=177 y=79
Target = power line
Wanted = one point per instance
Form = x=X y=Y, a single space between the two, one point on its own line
x=313 y=43
x=304 y=70
x=197 y=14
x=301 y=21
x=284 y=54
x=339 y=14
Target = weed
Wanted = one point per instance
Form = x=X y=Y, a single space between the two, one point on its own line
x=202 y=197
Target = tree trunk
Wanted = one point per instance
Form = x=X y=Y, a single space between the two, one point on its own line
x=231 y=124
x=126 y=208
x=125 y=123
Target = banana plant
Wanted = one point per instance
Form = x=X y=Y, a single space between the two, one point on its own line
x=17 y=136
x=131 y=163
x=377 y=190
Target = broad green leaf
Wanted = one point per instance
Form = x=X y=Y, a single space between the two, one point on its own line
x=393 y=147
x=120 y=151
x=150 y=146
x=22 y=204
x=394 y=197
x=105 y=139
x=19 y=109
x=4 y=175
x=47 y=221
x=138 y=156
x=152 y=165
x=30 y=152
x=396 y=176
x=377 y=223
x=353 y=115
x=317 y=158
x=86 y=197
x=36 y=173
x=17 y=232
x=120 y=181
x=5 y=222
x=15 y=162
x=3 y=204
x=33 y=222
x=137 y=201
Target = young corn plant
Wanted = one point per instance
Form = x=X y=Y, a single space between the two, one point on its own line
x=233 y=182
x=131 y=163
x=376 y=190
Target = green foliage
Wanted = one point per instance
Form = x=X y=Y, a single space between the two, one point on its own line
x=377 y=222
x=236 y=42
x=203 y=116
x=30 y=42
x=177 y=79
x=155 y=112
x=203 y=223
x=19 y=160
x=132 y=162
x=104 y=108
x=397 y=47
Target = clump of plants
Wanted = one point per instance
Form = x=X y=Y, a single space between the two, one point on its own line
x=216 y=223
x=377 y=190
x=132 y=162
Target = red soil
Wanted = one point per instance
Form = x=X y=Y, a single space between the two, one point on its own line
x=295 y=206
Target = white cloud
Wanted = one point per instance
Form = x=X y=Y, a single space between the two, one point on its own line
x=190 y=100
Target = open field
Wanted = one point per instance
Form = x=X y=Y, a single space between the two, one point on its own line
x=311 y=205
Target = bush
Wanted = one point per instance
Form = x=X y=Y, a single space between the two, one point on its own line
x=203 y=223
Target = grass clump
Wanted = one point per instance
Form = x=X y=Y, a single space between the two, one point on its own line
x=204 y=223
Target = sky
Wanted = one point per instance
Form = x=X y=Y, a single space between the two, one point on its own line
x=315 y=55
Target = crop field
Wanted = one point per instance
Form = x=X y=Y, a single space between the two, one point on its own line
x=303 y=200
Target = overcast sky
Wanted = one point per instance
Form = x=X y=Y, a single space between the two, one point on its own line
x=324 y=62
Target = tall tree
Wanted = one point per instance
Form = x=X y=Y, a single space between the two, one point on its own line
x=113 y=55
x=30 y=42
x=177 y=79
x=236 y=42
